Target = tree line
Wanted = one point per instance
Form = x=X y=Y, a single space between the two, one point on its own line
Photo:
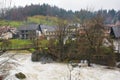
x=21 y=13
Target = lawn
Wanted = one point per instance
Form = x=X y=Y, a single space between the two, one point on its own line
x=15 y=44
x=20 y=42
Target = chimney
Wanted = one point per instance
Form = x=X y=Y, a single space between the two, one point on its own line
x=40 y=28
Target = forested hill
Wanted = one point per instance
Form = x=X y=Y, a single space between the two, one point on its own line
x=22 y=13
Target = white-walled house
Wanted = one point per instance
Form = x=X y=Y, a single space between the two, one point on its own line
x=115 y=34
x=7 y=32
x=29 y=31
x=7 y=35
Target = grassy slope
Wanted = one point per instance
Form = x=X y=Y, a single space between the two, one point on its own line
x=39 y=19
x=10 y=23
x=47 y=20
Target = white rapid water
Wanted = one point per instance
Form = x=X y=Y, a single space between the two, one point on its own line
x=56 y=71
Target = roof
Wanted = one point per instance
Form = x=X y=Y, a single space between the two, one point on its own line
x=116 y=31
x=36 y=26
x=49 y=28
x=28 y=27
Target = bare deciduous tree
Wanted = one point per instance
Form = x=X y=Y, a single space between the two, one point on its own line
x=91 y=37
x=60 y=35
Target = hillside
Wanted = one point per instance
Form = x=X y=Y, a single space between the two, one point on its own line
x=38 y=19
x=22 y=13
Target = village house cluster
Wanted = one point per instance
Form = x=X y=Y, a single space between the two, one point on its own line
x=34 y=31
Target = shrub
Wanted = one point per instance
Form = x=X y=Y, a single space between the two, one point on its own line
x=35 y=56
x=118 y=65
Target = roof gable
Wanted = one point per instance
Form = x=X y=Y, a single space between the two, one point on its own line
x=116 y=31
x=49 y=28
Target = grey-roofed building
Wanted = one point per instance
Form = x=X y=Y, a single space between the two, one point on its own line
x=115 y=34
x=48 y=31
x=32 y=31
x=29 y=31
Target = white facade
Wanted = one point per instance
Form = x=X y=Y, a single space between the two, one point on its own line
x=7 y=35
x=38 y=33
x=117 y=45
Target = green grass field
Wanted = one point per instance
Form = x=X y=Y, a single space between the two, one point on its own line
x=20 y=42
x=10 y=23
